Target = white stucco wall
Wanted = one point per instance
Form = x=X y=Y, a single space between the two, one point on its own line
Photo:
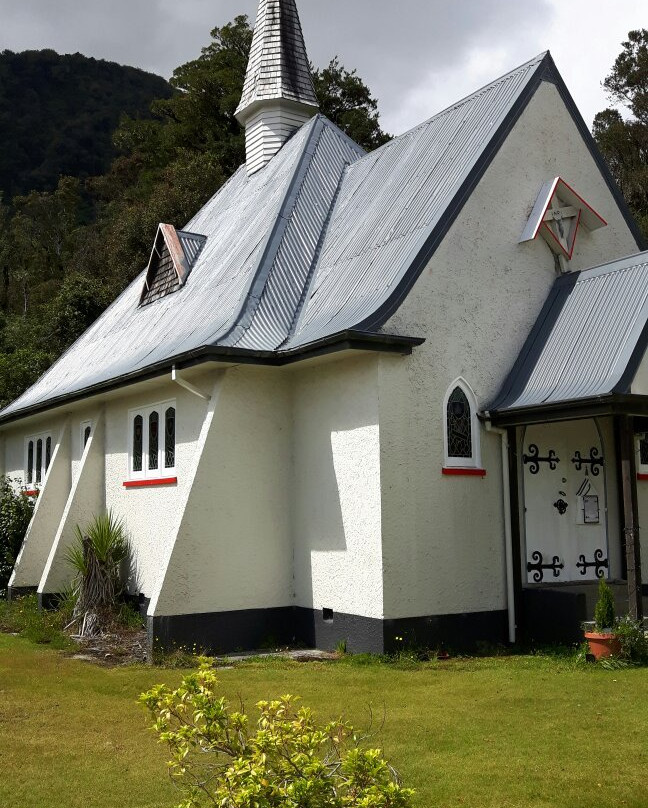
x=234 y=548
x=475 y=303
x=152 y=514
x=336 y=488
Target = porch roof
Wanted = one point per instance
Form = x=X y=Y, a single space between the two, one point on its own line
x=585 y=347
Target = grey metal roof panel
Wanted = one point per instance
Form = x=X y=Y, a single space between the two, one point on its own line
x=192 y=244
x=587 y=340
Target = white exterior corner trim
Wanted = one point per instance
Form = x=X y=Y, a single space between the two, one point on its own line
x=87 y=499
x=473 y=462
x=50 y=504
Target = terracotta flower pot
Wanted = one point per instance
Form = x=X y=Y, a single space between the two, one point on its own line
x=603 y=645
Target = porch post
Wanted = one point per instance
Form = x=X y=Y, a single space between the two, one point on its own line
x=631 y=516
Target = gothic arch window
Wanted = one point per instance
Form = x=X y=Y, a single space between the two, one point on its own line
x=461 y=427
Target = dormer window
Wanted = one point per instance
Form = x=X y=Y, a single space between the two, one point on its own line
x=557 y=216
x=174 y=255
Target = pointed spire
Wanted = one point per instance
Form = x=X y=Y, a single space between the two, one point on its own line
x=278 y=95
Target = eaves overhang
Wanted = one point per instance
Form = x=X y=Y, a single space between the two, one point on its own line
x=343 y=341
x=593 y=407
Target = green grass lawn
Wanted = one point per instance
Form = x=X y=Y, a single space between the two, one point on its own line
x=517 y=731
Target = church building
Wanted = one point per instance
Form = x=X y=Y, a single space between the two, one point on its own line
x=387 y=398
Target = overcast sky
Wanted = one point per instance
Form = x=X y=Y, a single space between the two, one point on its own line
x=417 y=56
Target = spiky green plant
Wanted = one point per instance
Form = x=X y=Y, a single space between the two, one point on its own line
x=97 y=555
x=604 y=613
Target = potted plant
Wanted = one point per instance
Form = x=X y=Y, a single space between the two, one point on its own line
x=603 y=641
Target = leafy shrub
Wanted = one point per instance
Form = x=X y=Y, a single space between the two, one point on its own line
x=634 y=643
x=604 y=613
x=16 y=511
x=97 y=555
x=22 y=616
x=285 y=761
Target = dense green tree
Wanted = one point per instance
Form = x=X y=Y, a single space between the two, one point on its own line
x=346 y=100
x=623 y=139
x=58 y=113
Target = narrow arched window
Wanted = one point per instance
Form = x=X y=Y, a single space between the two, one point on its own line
x=48 y=452
x=86 y=435
x=154 y=441
x=39 y=460
x=169 y=438
x=30 y=462
x=138 y=442
x=461 y=436
x=459 y=425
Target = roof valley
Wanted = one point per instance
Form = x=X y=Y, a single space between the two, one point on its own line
x=288 y=274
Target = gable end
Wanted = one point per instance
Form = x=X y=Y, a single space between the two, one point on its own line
x=546 y=71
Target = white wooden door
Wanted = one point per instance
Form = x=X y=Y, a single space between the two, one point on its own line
x=565 y=503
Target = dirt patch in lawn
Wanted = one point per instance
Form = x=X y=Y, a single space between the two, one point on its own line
x=120 y=646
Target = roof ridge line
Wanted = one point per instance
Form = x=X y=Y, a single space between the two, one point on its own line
x=251 y=298
x=539 y=59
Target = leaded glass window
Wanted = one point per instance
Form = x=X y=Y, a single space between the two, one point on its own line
x=169 y=438
x=459 y=425
x=39 y=460
x=138 y=442
x=643 y=451
x=48 y=452
x=30 y=462
x=154 y=441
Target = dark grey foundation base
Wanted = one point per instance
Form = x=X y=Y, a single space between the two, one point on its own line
x=20 y=591
x=554 y=615
x=228 y=632
x=48 y=600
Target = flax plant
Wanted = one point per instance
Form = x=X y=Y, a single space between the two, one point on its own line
x=97 y=555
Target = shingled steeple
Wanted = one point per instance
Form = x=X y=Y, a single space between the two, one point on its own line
x=278 y=95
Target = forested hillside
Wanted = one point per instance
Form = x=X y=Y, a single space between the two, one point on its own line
x=58 y=114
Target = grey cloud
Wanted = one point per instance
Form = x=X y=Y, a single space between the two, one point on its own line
x=394 y=45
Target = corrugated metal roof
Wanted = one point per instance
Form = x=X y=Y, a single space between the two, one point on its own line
x=318 y=242
x=390 y=202
x=589 y=332
x=278 y=65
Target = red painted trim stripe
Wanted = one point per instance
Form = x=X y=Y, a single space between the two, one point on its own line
x=149 y=483
x=587 y=205
x=642 y=476
x=463 y=472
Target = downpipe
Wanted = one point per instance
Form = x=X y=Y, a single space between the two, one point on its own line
x=508 y=530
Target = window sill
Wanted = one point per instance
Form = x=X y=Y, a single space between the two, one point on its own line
x=463 y=472
x=31 y=492
x=642 y=477
x=150 y=482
